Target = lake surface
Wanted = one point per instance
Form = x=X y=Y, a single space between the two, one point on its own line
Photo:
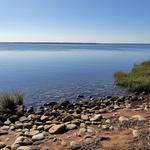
x=45 y=72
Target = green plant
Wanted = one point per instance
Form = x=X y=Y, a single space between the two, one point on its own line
x=18 y=97
x=10 y=101
x=136 y=80
x=7 y=102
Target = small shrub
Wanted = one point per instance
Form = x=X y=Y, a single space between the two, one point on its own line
x=7 y=102
x=136 y=80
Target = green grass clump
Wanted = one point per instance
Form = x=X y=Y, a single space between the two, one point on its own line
x=138 y=80
x=18 y=97
x=9 y=102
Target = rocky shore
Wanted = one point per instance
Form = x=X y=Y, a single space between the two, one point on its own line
x=86 y=124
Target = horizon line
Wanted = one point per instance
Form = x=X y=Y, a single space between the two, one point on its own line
x=36 y=42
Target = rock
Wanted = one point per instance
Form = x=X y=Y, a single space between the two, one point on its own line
x=123 y=119
x=77 y=122
x=2 y=145
x=18 y=125
x=81 y=131
x=85 y=117
x=80 y=97
x=47 y=127
x=135 y=133
x=97 y=118
x=13 y=118
x=5 y=127
x=27 y=125
x=7 y=122
x=41 y=127
x=23 y=119
x=71 y=126
x=38 y=137
x=105 y=127
x=74 y=145
x=63 y=104
x=5 y=148
x=52 y=104
x=2 y=132
x=138 y=117
x=44 y=118
x=30 y=110
x=24 y=148
x=57 y=129
x=34 y=132
x=20 y=141
x=68 y=118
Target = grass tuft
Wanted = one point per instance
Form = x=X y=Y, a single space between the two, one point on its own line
x=9 y=101
x=137 y=80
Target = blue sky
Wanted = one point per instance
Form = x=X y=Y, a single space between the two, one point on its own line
x=75 y=20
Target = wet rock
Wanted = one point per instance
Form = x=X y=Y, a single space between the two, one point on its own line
x=13 y=118
x=30 y=110
x=52 y=104
x=63 y=104
x=38 y=137
x=57 y=129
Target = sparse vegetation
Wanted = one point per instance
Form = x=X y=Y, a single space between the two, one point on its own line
x=137 y=80
x=10 y=101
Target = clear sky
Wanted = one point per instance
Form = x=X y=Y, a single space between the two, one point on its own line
x=75 y=20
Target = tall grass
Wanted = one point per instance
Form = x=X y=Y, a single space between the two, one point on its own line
x=136 y=80
x=10 y=101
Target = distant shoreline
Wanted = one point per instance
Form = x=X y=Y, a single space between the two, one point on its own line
x=73 y=43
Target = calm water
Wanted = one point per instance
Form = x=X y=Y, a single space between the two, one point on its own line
x=45 y=72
